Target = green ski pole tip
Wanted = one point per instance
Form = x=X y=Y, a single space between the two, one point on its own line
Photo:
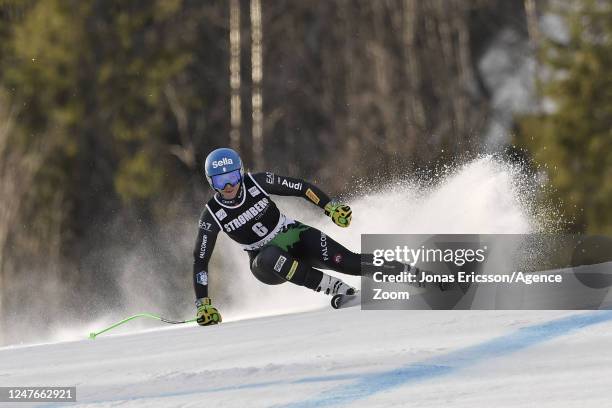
x=93 y=335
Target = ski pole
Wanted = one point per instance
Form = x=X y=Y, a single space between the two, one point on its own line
x=93 y=335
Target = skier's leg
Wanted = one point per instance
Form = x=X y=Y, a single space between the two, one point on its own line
x=272 y=265
x=324 y=252
x=263 y=273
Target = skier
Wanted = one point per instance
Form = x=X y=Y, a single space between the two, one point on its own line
x=280 y=249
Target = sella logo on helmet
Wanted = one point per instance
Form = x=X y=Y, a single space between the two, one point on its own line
x=223 y=162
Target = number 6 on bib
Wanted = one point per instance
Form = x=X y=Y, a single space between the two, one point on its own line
x=259 y=229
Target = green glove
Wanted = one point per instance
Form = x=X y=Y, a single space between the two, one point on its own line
x=207 y=314
x=341 y=214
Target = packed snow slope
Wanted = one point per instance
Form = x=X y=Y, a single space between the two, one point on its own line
x=338 y=358
x=284 y=346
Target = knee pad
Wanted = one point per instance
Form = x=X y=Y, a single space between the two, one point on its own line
x=266 y=266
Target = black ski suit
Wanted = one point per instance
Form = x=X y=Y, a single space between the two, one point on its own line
x=280 y=249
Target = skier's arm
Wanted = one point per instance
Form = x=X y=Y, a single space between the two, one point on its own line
x=290 y=186
x=205 y=243
x=340 y=214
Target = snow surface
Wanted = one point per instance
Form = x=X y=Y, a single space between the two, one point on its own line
x=346 y=357
x=262 y=355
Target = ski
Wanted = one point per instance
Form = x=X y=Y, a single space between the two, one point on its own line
x=344 y=301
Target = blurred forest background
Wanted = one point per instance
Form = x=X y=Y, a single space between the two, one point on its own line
x=108 y=107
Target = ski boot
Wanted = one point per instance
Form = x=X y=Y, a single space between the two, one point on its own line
x=334 y=286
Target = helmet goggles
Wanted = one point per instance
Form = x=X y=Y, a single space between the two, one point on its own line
x=220 y=181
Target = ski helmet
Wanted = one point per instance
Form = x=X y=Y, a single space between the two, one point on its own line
x=223 y=161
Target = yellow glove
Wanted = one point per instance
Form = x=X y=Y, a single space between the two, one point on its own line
x=341 y=214
x=207 y=314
